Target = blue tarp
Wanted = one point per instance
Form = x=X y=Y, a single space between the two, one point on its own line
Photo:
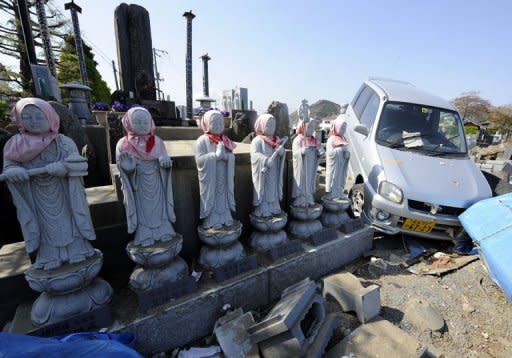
x=78 y=345
x=489 y=224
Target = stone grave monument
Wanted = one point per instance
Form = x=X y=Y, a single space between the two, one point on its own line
x=335 y=201
x=280 y=112
x=44 y=172
x=216 y=169
x=145 y=170
x=305 y=150
x=267 y=161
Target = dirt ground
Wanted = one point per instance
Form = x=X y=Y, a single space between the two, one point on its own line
x=477 y=315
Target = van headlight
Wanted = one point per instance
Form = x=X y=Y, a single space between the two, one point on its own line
x=391 y=192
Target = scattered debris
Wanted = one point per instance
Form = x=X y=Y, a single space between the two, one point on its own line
x=352 y=296
x=422 y=315
x=441 y=263
x=377 y=336
x=377 y=266
x=231 y=333
x=292 y=326
x=207 y=352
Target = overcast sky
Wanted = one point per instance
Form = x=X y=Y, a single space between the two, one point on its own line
x=289 y=50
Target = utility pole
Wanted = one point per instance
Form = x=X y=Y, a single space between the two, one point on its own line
x=74 y=8
x=188 y=64
x=158 y=79
x=45 y=36
x=115 y=74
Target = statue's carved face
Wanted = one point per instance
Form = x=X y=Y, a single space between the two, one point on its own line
x=216 y=124
x=34 y=120
x=141 y=122
x=270 y=128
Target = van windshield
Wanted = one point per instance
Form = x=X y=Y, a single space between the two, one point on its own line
x=408 y=126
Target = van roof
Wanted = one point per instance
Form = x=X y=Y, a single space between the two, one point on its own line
x=400 y=91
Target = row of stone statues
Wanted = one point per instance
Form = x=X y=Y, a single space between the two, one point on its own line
x=43 y=171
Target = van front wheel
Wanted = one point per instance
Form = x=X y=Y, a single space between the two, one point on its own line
x=356 y=200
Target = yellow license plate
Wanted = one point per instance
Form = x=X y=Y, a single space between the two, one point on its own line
x=418 y=225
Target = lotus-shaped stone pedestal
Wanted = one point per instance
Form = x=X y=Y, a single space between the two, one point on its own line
x=305 y=221
x=221 y=245
x=69 y=290
x=269 y=231
x=334 y=214
x=157 y=264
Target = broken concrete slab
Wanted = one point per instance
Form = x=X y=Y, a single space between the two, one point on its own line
x=348 y=291
x=423 y=315
x=317 y=349
x=291 y=327
x=232 y=335
x=379 y=338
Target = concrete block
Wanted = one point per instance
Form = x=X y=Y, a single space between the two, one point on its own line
x=318 y=261
x=377 y=338
x=293 y=324
x=352 y=296
x=317 y=349
x=232 y=335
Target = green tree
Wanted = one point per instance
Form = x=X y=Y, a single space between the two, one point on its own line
x=70 y=71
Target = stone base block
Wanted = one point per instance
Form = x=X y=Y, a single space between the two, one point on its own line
x=158 y=254
x=262 y=241
x=352 y=296
x=304 y=229
x=49 y=308
x=334 y=219
x=147 y=278
x=317 y=349
x=212 y=257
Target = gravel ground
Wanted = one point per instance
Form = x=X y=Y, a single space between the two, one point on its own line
x=477 y=315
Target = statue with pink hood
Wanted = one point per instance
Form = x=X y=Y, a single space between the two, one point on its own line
x=335 y=201
x=216 y=170
x=306 y=151
x=145 y=171
x=44 y=174
x=267 y=162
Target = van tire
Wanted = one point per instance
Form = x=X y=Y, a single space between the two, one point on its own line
x=356 y=196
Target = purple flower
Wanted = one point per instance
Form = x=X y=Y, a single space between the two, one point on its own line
x=119 y=107
x=100 y=106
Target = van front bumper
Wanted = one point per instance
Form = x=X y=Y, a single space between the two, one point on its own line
x=388 y=217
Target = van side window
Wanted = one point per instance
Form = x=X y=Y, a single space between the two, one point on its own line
x=370 y=111
x=362 y=100
x=358 y=93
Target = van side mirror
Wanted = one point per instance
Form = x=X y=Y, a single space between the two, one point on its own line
x=362 y=129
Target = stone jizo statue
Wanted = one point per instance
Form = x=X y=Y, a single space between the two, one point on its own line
x=145 y=169
x=267 y=159
x=306 y=150
x=337 y=157
x=44 y=173
x=216 y=168
x=144 y=166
